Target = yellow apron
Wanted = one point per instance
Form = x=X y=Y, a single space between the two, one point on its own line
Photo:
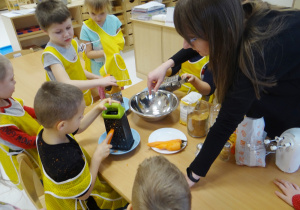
x=194 y=68
x=63 y=195
x=73 y=69
x=112 y=46
x=87 y=62
x=8 y=158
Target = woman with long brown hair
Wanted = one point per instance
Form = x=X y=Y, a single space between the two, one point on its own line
x=254 y=52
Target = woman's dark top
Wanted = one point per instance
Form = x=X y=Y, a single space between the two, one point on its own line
x=279 y=105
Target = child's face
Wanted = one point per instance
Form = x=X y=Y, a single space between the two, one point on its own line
x=7 y=86
x=74 y=123
x=61 y=33
x=99 y=17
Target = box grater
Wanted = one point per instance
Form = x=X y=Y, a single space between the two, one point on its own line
x=116 y=118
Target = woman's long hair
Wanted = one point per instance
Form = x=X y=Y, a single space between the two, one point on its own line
x=233 y=35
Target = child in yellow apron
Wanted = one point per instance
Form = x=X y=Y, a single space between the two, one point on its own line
x=64 y=194
x=197 y=67
x=15 y=115
x=102 y=32
x=73 y=69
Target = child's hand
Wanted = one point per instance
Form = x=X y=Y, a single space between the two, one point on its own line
x=108 y=81
x=104 y=101
x=103 y=149
x=190 y=77
x=289 y=190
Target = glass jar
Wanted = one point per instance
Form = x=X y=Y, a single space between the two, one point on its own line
x=199 y=147
x=225 y=153
x=213 y=114
x=197 y=119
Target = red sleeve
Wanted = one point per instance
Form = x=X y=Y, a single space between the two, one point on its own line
x=17 y=137
x=296 y=201
x=30 y=111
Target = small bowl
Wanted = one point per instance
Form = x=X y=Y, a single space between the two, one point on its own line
x=153 y=107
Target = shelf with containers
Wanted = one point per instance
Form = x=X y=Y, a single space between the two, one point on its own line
x=128 y=5
x=14 y=22
x=23 y=28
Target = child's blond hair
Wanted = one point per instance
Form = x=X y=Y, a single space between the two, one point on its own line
x=98 y=5
x=4 y=63
x=160 y=185
x=56 y=101
x=51 y=11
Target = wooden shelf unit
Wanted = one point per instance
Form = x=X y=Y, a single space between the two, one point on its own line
x=19 y=42
x=120 y=8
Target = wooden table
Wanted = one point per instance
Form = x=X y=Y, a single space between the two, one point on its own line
x=227 y=185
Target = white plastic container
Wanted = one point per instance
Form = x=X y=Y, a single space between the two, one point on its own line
x=187 y=102
x=146 y=15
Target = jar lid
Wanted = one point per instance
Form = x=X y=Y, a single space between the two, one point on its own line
x=199 y=146
x=227 y=144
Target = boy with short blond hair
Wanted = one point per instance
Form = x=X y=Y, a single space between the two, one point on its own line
x=69 y=174
x=160 y=185
x=60 y=57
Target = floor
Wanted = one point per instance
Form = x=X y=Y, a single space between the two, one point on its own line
x=12 y=195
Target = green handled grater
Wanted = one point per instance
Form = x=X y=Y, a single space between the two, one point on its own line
x=116 y=118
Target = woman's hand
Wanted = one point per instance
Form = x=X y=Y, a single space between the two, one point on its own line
x=156 y=77
x=288 y=190
x=190 y=182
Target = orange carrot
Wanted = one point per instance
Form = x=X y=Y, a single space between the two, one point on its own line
x=112 y=134
x=174 y=147
x=171 y=146
x=153 y=144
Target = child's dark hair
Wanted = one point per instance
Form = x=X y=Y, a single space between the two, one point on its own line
x=4 y=63
x=51 y=11
x=56 y=101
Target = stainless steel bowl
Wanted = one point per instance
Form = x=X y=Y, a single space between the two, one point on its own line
x=153 y=107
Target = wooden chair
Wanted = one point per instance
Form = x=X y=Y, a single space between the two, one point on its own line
x=31 y=182
x=19 y=53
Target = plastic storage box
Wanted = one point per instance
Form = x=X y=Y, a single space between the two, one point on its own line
x=6 y=49
x=146 y=15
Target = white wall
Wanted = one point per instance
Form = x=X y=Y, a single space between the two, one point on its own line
x=287 y=3
x=4 y=41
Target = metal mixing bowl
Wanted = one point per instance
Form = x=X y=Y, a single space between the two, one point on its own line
x=153 y=107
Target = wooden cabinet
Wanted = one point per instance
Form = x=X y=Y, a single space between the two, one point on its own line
x=164 y=43
x=3 y=5
x=13 y=22
x=120 y=8
x=297 y=4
